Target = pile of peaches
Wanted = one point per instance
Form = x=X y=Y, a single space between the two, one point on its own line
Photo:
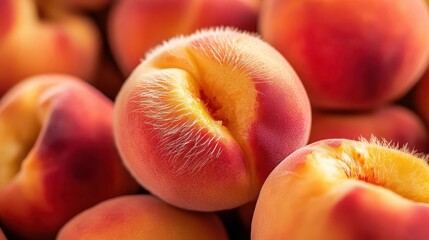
x=214 y=119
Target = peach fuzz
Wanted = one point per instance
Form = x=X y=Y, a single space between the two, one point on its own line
x=142 y=217
x=40 y=37
x=344 y=189
x=394 y=123
x=136 y=26
x=58 y=156
x=203 y=119
x=350 y=54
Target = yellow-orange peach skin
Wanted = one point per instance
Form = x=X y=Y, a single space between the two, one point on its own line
x=57 y=155
x=39 y=37
x=350 y=54
x=203 y=119
x=394 y=123
x=343 y=189
x=142 y=217
x=136 y=26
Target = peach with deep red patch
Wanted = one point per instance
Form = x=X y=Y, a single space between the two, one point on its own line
x=350 y=54
x=205 y=118
x=58 y=155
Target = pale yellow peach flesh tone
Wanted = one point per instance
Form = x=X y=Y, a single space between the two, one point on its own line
x=58 y=155
x=205 y=118
x=142 y=217
x=345 y=189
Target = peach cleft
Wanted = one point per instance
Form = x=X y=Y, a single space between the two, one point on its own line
x=345 y=189
x=204 y=118
x=57 y=155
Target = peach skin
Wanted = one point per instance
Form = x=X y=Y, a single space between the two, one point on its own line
x=2 y=236
x=203 y=119
x=58 y=155
x=142 y=217
x=338 y=189
x=40 y=37
x=350 y=54
x=136 y=26
x=394 y=123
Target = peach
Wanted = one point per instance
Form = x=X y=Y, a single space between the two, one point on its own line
x=58 y=155
x=2 y=236
x=344 y=189
x=394 y=123
x=142 y=217
x=202 y=120
x=350 y=54
x=136 y=26
x=40 y=37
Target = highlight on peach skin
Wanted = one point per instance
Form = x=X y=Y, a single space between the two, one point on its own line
x=136 y=26
x=40 y=37
x=350 y=54
x=58 y=156
x=394 y=123
x=345 y=189
x=142 y=217
x=203 y=119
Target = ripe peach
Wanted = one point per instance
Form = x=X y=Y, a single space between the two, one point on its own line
x=135 y=26
x=39 y=37
x=394 y=123
x=350 y=54
x=203 y=119
x=58 y=156
x=2 y=236
x=142 y=217
x=345 y=189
